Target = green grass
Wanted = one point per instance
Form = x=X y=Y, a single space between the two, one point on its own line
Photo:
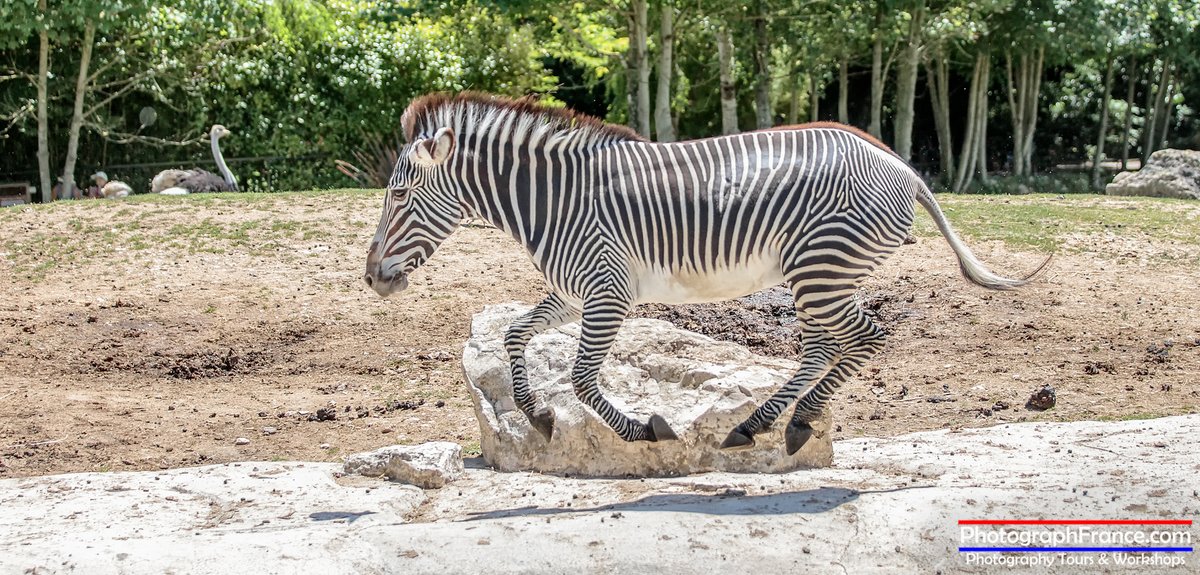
x=1138 y=416
x=1042 y=222
x=472 y=449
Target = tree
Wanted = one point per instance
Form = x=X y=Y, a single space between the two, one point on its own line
x=906 y=82
x=1024 y=34
x=43 y=129
x=663 y=126
x=761 y=20
x=94 y=13
x=639 y=57
x=728 y=86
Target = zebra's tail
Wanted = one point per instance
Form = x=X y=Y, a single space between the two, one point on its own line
x=971 y=267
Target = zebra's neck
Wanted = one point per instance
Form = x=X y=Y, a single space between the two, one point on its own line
x=523 y=187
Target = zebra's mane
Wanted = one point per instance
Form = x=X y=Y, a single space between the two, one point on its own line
x=525 y=118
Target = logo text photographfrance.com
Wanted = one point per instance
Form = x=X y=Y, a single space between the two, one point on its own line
x=1048 y=542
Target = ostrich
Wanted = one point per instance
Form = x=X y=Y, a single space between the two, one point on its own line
x=181 y=182
x=113 y=189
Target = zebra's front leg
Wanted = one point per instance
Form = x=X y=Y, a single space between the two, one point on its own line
x=820 y=352
x=602 y=319
x=549 y=313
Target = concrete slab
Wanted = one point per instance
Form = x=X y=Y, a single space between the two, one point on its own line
x=888 y=506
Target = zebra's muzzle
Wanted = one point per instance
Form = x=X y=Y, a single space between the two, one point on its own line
x=386 y=285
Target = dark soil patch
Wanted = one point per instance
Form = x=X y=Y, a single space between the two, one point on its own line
x=765 y=322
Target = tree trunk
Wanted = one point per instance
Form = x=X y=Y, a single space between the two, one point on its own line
x=1131 y=84
x=981 y=115
x=1034 y=87
x=762 y=68
x=46 y=190
x=1099 y=155
x=906 y=84
x=729 y=118
x=937 y=72
x=843 y=89
x=68 y=178
x=1016 y=106
x=1153 y=97
x=662 y=102
x=814 y=99
x=876 y=124
x=972 y=151
x=631 y=91
x=1168 y=103
x=1022 y=101
x=641 y=66
x=794 y=104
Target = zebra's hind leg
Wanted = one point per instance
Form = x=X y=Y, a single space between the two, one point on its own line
x=549 y=313
x=860 y=340
x=602 y=319
x=820 y=351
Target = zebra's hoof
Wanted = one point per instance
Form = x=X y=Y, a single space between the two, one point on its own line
x=543 y=421
x=796 y=435
x=658 y=430
x=737 y=440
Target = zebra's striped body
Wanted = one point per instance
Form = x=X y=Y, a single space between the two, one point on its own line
x=612 y=221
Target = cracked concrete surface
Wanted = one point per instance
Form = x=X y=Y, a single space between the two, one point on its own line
x=887 y=506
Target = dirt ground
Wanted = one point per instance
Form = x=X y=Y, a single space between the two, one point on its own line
x=162 y=333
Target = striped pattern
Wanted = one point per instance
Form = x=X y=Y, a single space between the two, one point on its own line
x=613 y=221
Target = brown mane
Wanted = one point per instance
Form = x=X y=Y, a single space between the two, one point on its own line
x=836 y=126
x=428 y=104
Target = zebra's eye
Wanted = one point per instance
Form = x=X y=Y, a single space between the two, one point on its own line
x=399 y=194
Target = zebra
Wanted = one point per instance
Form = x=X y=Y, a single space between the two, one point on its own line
x=612 y=220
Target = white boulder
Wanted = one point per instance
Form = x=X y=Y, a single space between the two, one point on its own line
x=703 y=388
x=428 y=465
x=1168 y=174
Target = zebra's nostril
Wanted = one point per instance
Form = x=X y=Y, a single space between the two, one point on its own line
x=370 y=280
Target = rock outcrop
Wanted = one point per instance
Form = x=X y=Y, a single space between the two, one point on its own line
x=428 y=465
x=890 y=505
x=1168 y=174
x=701 y=386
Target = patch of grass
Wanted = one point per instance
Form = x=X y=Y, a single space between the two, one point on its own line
x=472 y=449
x=1137 y=416
x=1043 y=221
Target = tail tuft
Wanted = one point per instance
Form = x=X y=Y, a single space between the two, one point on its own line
x=972 y=269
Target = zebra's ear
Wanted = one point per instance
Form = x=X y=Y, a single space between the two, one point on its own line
x=434 y=151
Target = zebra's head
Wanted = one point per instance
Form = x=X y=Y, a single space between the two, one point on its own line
x=421 y=209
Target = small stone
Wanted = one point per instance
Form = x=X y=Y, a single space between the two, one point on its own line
x=428 y=465
x=325 y=446
x=1042 y=399
x=241 y=441
x=269 y=431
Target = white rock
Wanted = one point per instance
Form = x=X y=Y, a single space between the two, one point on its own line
x=428 y=465
x=241 y=441
x=702 y=387
x=274 y=517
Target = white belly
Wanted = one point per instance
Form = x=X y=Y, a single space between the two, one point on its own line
x=659 y=285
